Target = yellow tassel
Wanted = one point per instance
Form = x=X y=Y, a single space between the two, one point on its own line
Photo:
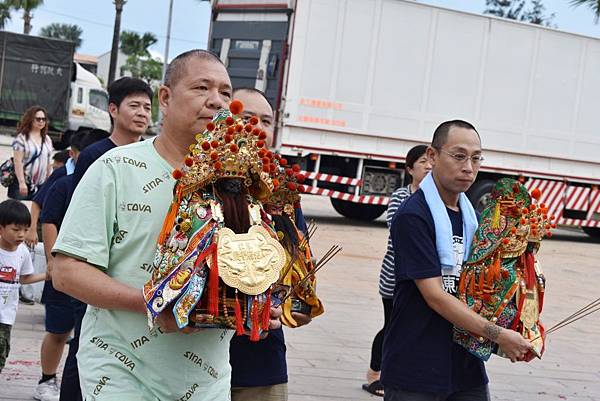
x=496 y=217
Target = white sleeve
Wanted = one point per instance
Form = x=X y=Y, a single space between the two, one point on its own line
x=27 y=266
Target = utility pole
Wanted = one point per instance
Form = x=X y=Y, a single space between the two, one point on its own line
x=114 y=53
x=166 y=59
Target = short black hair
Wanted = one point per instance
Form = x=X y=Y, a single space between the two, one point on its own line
x=92 y=136
x=440 y=135
x=61 y=156
x=126 y=86
x=253 y=90
x=14 y=212
x=176 y=66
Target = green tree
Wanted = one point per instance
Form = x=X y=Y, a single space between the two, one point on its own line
x=68 y=32
x=594 y=5
x=4 y=14
x=140 y=62
x=532 y=11
x=27 y=6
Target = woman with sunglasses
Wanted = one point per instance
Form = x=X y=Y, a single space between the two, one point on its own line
x=32 y=154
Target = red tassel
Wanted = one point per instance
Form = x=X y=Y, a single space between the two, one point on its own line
x=213 y=283
x=239 y=324
x=517 y=320
x=462 y=284
x=540 y=301
x=471 y=284
x=266 y=312
x=170 y=218
x=481 y=280
x=254 y=334
x=530 y=277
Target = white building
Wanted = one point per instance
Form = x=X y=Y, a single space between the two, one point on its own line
x=104 y=65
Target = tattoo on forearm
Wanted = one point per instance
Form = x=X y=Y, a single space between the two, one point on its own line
x=492 y=331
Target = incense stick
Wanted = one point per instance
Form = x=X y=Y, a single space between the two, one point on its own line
x=588 y=309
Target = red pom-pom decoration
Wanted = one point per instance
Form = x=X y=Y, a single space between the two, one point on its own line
x=177 y=174
x=300 y=178
x=189 y=161
x=266 y=168
x=283 y=162
x=229 y=120
x=536 y=194
x=275 y=183
x=248 y=128
x=505 y=241
x=205 y=145
x=230 y=130
x=262 y=135
x=533 y=207
x=214 y=155
x=301 y=188
x=236 y=107
x=253 y=120
x=239 y=128
x=266 y=160
x=260 y=144
x=273 y=168
x=214 y=144
x=296 y=167
x=218 y=165
x=210 y=126
x=256 y=132
x=289 y=172
x=262 y=153
x=228 y=138
x=234 y=148
x=291 y=186
x=269 y=154
x=549 y=234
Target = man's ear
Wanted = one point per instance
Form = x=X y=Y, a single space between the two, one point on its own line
x=113 y=110
x=431 y=155
x=164 y=98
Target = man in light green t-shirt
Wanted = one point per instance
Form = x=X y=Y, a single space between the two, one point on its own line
x=105 y=252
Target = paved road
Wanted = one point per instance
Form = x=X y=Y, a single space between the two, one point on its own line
x=328 y=359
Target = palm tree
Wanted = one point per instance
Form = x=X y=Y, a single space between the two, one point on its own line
x=132 y=44
x=69 y=32
x=4 y=14
x=593 y=4
x=27 y=6
x=114 y=52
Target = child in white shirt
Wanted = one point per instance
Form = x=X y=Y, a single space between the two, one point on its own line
x=16 y=267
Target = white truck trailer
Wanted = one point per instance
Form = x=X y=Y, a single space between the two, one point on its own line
x=357 y=83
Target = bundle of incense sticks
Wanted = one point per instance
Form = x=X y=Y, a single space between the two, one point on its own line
x=590 y=308
x=310 y=231
x=330 y=254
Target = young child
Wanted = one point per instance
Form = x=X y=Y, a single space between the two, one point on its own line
x=16 y=267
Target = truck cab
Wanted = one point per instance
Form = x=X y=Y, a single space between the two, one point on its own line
x=88 y=103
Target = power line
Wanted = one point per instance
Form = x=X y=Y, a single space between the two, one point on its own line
x=111 y=27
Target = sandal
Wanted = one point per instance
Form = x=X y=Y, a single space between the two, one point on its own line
x=375 y=388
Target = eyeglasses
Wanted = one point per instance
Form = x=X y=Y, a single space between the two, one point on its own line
x=462 y=158
x=40 y=119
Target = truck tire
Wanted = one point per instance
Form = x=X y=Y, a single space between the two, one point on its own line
x=479 y=194
x=357 y=211
x=593 y=232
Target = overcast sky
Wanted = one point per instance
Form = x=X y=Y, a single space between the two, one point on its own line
x=191 y=20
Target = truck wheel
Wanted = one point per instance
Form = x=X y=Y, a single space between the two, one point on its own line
x=480 y=194
x=593 y=232
x=357 y=211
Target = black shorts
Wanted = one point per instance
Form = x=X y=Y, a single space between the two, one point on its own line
x=60 y=317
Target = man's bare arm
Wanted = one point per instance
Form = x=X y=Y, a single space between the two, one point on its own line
x=457 y=313
x=94 y=287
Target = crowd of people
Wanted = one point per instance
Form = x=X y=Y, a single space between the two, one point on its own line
x=100 y=214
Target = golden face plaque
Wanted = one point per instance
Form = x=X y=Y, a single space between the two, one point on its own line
x=249 y=262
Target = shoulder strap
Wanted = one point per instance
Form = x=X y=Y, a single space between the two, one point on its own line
x=37 y=154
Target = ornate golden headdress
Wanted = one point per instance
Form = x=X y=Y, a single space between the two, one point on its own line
x=288 y=187
x=229 y=148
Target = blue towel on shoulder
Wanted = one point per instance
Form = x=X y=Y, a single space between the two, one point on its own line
x=443 y=226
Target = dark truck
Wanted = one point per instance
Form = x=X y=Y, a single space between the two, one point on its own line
x=36 y=70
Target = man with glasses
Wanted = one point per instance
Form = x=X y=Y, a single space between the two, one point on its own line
x=431 y=235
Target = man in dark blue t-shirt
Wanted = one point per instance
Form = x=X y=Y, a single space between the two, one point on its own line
x=259 y=369
x=129 y=106
x=420 y=360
